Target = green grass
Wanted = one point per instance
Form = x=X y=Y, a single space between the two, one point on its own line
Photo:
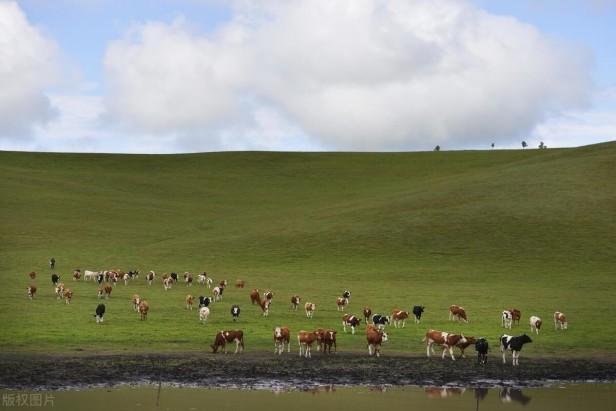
x=488 y=230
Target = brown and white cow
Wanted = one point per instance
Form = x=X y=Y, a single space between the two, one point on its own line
x=136 y=301
x=144 y=307
x=399 y=316
x=305 y=339
x=217 y=291
x=282 y=336
x=444 y=339
x=367 y=314
x=76 y=275
x=295 y=300
x=31 y=291
x=264 y=304
x=268 y=295
x=189 y=302
x=255 y=297
x=309 y=308
x=59 y=291
x=350 y=320
x=341 y=302
x=224 y=337
x=149 y=277
x=560 y=321
x=240 y=283
x=375 y=338
x=223 y=283
x=105 y=291
x=188 y=279
x=167 y=283
x=535 y=324
x=463 y=345
x=68 y=295
x=32 y=274
x=516 y=315
x=457 y=313
x=325 y=339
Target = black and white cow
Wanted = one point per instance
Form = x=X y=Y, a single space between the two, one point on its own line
x=174 y=277
x=513 y=344
x=204 y=301
x=100 y=312
x=482 y=347
x=100 y=277
x=381 y=320
x=417 y=311
x=346 y=294
x=55 y=278
x=133 y=274
x=235 y=312
x=350 y=320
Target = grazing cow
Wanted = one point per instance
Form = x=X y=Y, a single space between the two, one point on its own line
x=444 y=339
x=89 y=275
x=54 y=279
x=464 y=345
x=268 y=295
x=136 y=301
x=235 y=312
x=167 y=283
x=188 y=279
x=341 y=302
x=350 y=320
x=255 y=297
x=535 y=324
x=264 y=304
x=309 y=308
x=417 y=312
x=144 y=307
x=150 y=277
x=32 y=275
x=133 y=274
x=174 y=277
x=367 y=313
x=204 y=301
x=515 y=315
x=482 y=347
x=240 y=283
x=295 y=300
x=375 y=338
x=100 y=312
x=513 y=344
x=399 y=316
x=282 y=336
x=457 y=313
x=381 y=321
x=189 y=302
x=560 y=321
x=76 y=275
x=59 y=291
x=204 y=313
x=68 y=295
x=100 y=277
x=31 y=291
x=224 y=337
x=105 y=291
x=506 y=319
x=325 y=339
x=217 y=291
x=305 y=340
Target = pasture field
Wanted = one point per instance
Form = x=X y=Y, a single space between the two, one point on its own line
x=488 y=230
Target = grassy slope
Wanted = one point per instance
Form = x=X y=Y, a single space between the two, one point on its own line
x=487 y=230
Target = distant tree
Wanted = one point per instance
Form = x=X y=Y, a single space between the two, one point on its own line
x=542 y=146
x=524 y=145
x=437 y=148
x=492 y=145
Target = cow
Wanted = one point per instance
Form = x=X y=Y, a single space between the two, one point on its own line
x=204 y=301
x=188 y=279
x=282 y=336
x=105 y=291
x=399 y=316
x=240 y=283
x=482 y=347
x=309 y=308
x=126 y=277
x=89 y=275
x=255 y=297
x=380 y=321
x=350 y=320
x=417 y=312
x=136 y=301
x=224 y=337
x=167 y=283
x=76 y=275
x=506 y=319
x=100 y=312
x=204 y=313
x=31 y=291
x=149 y=277
x=516 y=315
x=133 y=274
x=375 y=337
x=59 y=291
x=367 y=313
x=68 y=295
x=268 y=295
x=325 y=340
x=201 y=278
x=54 y=279
x=174 y=277
x=189 y=302
x=464 y=345
x=346 y=294
x=560 y=321
x=295 y=300
x=535 y=324
x=32 y=275
x=264 y=304
x=513 y=344
x=444 y=339
x=100 y=277
x=217 y=291
x=457 y=313
x=144 y=307
x=341 y=302
x=235 y=312
x=305 y=340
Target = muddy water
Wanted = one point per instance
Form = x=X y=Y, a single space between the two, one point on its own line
x=596 y=397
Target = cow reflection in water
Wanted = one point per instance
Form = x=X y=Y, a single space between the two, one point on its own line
x=509 y=394
x=443 y=392
x=320 y=389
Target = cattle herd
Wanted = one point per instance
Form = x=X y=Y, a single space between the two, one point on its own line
x=323 y=338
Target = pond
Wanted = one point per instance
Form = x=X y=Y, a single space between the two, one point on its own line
x=596 y=397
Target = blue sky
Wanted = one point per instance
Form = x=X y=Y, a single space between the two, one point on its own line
x=191 y=75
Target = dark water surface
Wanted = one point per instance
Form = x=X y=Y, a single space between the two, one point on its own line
x=581 y=397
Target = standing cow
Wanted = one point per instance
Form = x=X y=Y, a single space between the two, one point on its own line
x=399 y=317
x=204 y=313
x=100 y=312
x=375 y=337
x=295 y=301
x=457 y=313
x=560 y=321
x=31 y=291
x=513 y=344
x=282 y=336
x=482 y=347
x=535 y=324
x=380 y=321
x=224 y=337
x=350 y=320
x=367 y=313
x=235 y=312
x=506 y=319
x=444 y=339
x=417 y=312
x=310 y=308
x=144 y=307
x=189 y=302
x=305 y=339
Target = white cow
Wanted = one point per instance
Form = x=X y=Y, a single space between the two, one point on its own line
x=204 y=313
x=90 y=275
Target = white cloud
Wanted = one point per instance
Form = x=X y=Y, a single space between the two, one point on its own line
x=29 y=63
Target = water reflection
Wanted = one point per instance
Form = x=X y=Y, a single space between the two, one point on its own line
x=481 y=393
x=443 y=392
x=508 y=395
x=319 y=389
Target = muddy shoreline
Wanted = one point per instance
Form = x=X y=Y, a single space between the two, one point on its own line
x=264 y=370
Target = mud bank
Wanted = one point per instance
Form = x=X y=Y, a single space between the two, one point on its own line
x=263 y=370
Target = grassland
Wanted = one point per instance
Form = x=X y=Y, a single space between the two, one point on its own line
x=534 y=229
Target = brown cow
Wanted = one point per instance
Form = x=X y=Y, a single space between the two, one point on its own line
x=31 y=291
x=68 y=295
x=76 y=275
x=240 y=283
x=189 y=302
x=350 y=320
x=188 y=279
x=255 y=297
x=341 y=302
x=464 y=345
x=136 y=301
x=282 y=335
x=399 y=316
x=105 y=291
x=32 y=274
x=367 y=314
x=375 y=338
x=515 y=315
x=444 y=339
x=144 y=307
x=224 y=337
x=222 y=283
x=560 y=321
x=265 y=306
x=305 y=340
x=457 y=313
x=325 y=340
x=295 y=300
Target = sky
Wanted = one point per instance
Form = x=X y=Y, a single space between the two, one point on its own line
x=154 y=76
